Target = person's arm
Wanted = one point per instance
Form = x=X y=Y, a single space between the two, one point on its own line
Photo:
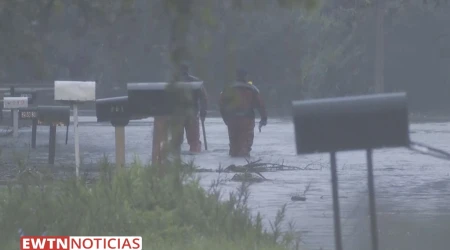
x=261 y=107
x=203 y=103
x=222 y=104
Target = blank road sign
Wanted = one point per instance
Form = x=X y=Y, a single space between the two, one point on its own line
x=15 y=102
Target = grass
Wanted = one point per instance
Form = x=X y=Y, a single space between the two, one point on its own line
x=169 y=212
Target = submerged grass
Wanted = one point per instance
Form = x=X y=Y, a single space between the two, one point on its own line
x=169 y=212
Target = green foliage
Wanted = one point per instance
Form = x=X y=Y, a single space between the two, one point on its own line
x=315 y=53
x=307 y=4
x=172 y=212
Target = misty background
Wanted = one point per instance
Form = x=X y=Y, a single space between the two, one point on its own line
x=290 y=53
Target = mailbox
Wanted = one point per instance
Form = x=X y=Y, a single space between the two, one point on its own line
x=76 y=91
x=352 y=123
x=159 y=99
x=114 y=110
x=28 y=113
x=31 y=95
x=48 y=115
x=15 y=102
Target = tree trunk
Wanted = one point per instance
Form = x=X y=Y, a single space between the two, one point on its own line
x=379 y=47
x=229 y=58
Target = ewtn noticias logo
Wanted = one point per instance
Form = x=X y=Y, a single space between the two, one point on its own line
x=80 y=243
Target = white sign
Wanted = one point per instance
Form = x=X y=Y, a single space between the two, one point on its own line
x=15 y=102
x=74 y=91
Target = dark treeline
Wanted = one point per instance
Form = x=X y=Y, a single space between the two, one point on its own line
x=290 y=53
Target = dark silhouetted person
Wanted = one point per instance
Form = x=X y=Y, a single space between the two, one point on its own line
x=237 y=107
x=191 y=122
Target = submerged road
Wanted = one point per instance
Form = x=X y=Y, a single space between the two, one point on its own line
x=413 y=190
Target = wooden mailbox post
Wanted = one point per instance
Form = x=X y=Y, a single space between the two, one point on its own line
x=116 y=111
x=160 y=100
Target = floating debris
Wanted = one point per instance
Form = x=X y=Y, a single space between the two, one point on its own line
x=248 y=177
x=301 y=197
x=298 y=198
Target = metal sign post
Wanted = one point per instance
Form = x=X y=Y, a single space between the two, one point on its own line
x=52 y=144
x=352 y=123
x=372 y=205
x=67 y=132
x=15 y=115
x=75 y=92
x=12 y=94
x=76 y=139
x=33 y=132
x=336 y=207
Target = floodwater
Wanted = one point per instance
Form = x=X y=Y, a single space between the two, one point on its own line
x=413 y=190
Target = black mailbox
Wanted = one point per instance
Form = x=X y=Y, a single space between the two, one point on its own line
x=114 y=110
x=353 y=123
x=32 y=95
x=52 y=115
x=28 y=113
x=159 y=99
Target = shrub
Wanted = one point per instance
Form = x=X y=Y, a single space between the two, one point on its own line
x=169 y=212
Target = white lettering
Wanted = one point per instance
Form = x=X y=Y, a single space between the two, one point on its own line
x=61 y=243
x=51 y=241
x=26 y=243
x=38 y=243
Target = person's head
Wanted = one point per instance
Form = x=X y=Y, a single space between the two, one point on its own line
x=183 y=69
x=241 y=75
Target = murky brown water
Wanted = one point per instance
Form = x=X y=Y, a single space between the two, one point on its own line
x=413 y=190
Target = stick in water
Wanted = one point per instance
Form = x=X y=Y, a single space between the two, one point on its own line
x=204 y=135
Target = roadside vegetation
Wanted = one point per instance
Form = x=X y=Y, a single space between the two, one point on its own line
x=170 y=211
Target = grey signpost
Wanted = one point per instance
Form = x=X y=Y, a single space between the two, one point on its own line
x=351 y=123
x=14 y=104
x=75 y=92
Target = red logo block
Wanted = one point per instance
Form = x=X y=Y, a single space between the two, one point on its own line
x=44 y=243
x=80 y=243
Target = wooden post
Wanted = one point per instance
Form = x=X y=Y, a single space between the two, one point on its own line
x=52 y=145
x=15 y=115
x=379 y=47
x=12 y=94
x=77 y=142
x=33 y=132
x=156 y=147
x=120 y=146
x=67 y=132
x=159 y=138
